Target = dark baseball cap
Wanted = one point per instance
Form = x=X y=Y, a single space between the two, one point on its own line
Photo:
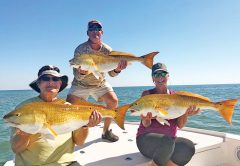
x=94 y=23
x=159 y=67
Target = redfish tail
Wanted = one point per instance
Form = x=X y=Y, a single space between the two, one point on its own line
x=226 y=109
x=120 y=115
x=148 y=59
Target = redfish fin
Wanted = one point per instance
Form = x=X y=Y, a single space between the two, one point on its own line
x=148 y=59
x=118 y=53
x=51 y=131
x=162 y=121
x=97 y=74
x=161 y=111
x=184 y=93
x=78 y=101
x=120 y=115
x=227 y=108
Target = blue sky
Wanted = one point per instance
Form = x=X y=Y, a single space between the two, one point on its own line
x=199 y=41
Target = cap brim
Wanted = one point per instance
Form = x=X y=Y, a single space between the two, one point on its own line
x=95 y=23
x=64 y=79
x=160 y=70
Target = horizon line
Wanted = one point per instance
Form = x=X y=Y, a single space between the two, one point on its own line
x=140 y=86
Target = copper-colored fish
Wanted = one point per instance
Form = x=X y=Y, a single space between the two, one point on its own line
x=172 y=106
x=95 y=63
x=58 y=118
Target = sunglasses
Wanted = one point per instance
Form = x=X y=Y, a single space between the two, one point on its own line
x=95 y=29
x=160 y=74
x=46 y=78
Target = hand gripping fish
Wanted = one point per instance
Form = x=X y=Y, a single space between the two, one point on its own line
x=58 y=118
x=95 y=63
x=172 y=106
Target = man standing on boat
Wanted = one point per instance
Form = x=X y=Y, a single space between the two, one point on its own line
x=85 y=85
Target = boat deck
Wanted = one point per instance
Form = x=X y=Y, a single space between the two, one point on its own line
x=212 y=148
x=125 y=152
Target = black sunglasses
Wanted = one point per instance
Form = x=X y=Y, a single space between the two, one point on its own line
x=47 y=78
x=94 y=29
x=160 y=74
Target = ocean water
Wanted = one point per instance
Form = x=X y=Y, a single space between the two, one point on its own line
x=205 y=120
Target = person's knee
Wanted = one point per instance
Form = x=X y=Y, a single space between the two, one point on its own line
x=169 y=144
x=186 y=144
x=164 y=151
x=112 y=102
x=110 y=98
x=183 y=152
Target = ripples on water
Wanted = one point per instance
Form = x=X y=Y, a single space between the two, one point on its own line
x=206 y=120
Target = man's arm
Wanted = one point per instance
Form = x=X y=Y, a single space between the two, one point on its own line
x=121 y=65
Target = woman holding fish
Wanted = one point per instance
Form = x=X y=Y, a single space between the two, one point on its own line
x=158 y=141
x=37 y=149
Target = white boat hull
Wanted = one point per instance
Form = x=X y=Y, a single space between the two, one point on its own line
x=212 y=148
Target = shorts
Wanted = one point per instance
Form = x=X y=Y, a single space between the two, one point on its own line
x=161 y=148
x=95 y=92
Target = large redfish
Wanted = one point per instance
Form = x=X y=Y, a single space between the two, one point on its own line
x=165 y=106
x=95 y=63
x=58 y=118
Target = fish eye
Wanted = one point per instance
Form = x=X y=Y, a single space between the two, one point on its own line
x=18 y=114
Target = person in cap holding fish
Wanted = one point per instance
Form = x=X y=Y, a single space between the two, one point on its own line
x=85 y=84
x=34 y=149
x=158 y=141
